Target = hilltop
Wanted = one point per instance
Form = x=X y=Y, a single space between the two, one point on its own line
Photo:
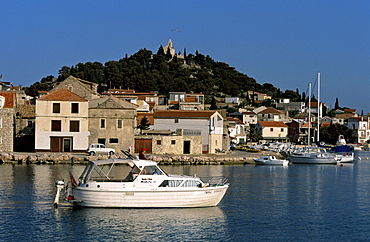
x=165 y=71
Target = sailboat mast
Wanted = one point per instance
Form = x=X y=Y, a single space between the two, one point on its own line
x=309 y=114
x=319 y=107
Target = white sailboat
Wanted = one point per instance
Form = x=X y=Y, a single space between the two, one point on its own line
x=310 y=156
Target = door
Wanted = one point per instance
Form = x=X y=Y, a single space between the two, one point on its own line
x=67 y=144
x=56 y=144
x=186 y=147
x=143 y=143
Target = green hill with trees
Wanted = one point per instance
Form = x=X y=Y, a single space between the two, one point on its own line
x=145 y=71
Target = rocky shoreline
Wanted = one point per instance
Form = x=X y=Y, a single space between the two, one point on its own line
x=66 y=158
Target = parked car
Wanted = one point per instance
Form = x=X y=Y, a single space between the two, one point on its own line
x=99 y=149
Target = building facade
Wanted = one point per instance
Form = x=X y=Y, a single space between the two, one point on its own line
x=61 y=123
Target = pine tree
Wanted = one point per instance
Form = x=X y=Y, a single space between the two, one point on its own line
x=336 y=106
x=213 y=104
x=144 y=124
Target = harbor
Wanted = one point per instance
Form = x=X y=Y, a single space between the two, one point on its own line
x=262 y=203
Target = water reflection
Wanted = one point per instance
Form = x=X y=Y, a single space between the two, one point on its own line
x=147 y=224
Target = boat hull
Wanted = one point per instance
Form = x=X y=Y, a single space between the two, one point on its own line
x=149 y=198
x=312 y=160
x=273 y=162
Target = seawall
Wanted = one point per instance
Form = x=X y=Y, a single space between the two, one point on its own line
x=233 y=158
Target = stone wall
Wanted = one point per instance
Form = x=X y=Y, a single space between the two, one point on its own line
x=6 y=129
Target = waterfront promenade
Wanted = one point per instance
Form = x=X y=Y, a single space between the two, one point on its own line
x=234 y=157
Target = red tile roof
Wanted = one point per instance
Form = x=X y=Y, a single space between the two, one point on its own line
x=9 y=99
x=236 y=120
x=62 y=94
x=271 y=110
x=272 y=124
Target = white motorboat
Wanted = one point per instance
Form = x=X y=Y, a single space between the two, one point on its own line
x=146 y=185
x=346 y=157
x=314 y=158
x=270 y=160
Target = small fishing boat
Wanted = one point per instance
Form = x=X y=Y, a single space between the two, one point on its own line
x=146 y=185
x=270 y=160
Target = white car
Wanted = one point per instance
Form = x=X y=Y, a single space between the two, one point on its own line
x=99 y=149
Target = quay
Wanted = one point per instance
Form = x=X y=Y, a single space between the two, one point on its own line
x=232 y=158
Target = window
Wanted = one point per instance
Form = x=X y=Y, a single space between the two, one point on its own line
x=159 y=142
x=171 y=183
x=119 y=123
x=56 y=107
x=271 y=129
x=176 y=121
x=173 y=142
x=282 y=130
x=191 y=183
x=113 y=140
x=101 y=141
x=102 y=123
x=56 y=125
x=74 y=126
x=74 y=108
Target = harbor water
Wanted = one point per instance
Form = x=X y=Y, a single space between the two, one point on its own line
x=296 y=203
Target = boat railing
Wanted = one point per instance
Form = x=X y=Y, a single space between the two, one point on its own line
x=216 y=180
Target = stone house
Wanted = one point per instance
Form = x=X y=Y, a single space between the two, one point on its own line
x=61 y=123
x=272 y=130
x=167 y=142
x=112 y=122
x=149 y=100
x=270 y=114
x=25 y=128
x=7 y=120
x=84 y=89
x=209 y=124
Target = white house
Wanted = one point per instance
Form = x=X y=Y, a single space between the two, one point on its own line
x=236 y=129
x=272 y=130
x=61 y=123
x=360 y=127
x=208 y=123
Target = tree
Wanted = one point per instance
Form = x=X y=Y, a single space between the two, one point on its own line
x=213 y=104
x=144 y=124
x=330 y=134
x=336 y=106
x=254 y=135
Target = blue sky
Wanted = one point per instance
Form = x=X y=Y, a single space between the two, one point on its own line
x=281 y=42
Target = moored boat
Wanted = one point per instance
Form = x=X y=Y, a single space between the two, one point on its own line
x=270 y=160
x=146 y=185
x=314 y=158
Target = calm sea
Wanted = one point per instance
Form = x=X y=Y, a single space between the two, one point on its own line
x=297 y=203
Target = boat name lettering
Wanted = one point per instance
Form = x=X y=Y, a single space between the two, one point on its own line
x=148 y=181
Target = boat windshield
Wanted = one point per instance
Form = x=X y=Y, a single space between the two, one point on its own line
x=151 y=170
